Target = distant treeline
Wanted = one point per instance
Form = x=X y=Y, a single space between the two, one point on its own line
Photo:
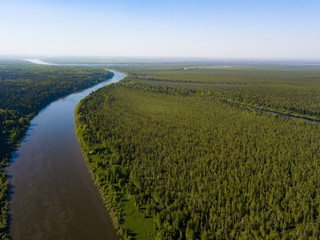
x=25 y=89
x=201 y=167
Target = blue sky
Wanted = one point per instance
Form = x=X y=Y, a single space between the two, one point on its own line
x=216 y=29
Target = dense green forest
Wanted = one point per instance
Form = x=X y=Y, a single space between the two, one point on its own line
x=175 y=156
x=25 y=89
x=281 y=88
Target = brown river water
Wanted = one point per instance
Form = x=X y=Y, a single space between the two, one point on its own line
x=52 y=194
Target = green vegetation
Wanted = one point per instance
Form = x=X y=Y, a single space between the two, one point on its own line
x=25 y=89
x=168 y=150
x=286 y=89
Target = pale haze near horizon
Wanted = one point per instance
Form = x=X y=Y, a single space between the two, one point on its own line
x=214 y=29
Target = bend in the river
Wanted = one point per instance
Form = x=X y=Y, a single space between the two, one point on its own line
x=52 y=192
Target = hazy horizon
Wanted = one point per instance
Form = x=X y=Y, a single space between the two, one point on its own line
x=230 y=30
x=160 y=59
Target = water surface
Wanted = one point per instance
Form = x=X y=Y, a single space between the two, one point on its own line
x=52 y=194
x=38 y=61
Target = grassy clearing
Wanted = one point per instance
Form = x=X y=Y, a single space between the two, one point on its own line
x=136 y=221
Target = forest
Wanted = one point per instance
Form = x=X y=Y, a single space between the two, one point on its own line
x=287 y=89
x=178 y=153
x=25 y=89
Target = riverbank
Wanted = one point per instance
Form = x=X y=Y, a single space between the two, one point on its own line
x=131 y=221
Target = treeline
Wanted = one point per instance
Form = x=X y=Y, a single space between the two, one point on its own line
x=25 y=89
x=200 y=167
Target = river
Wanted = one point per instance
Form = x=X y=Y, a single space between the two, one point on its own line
x=52 y=194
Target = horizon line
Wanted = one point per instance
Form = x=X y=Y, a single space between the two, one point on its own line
x=198 y=58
